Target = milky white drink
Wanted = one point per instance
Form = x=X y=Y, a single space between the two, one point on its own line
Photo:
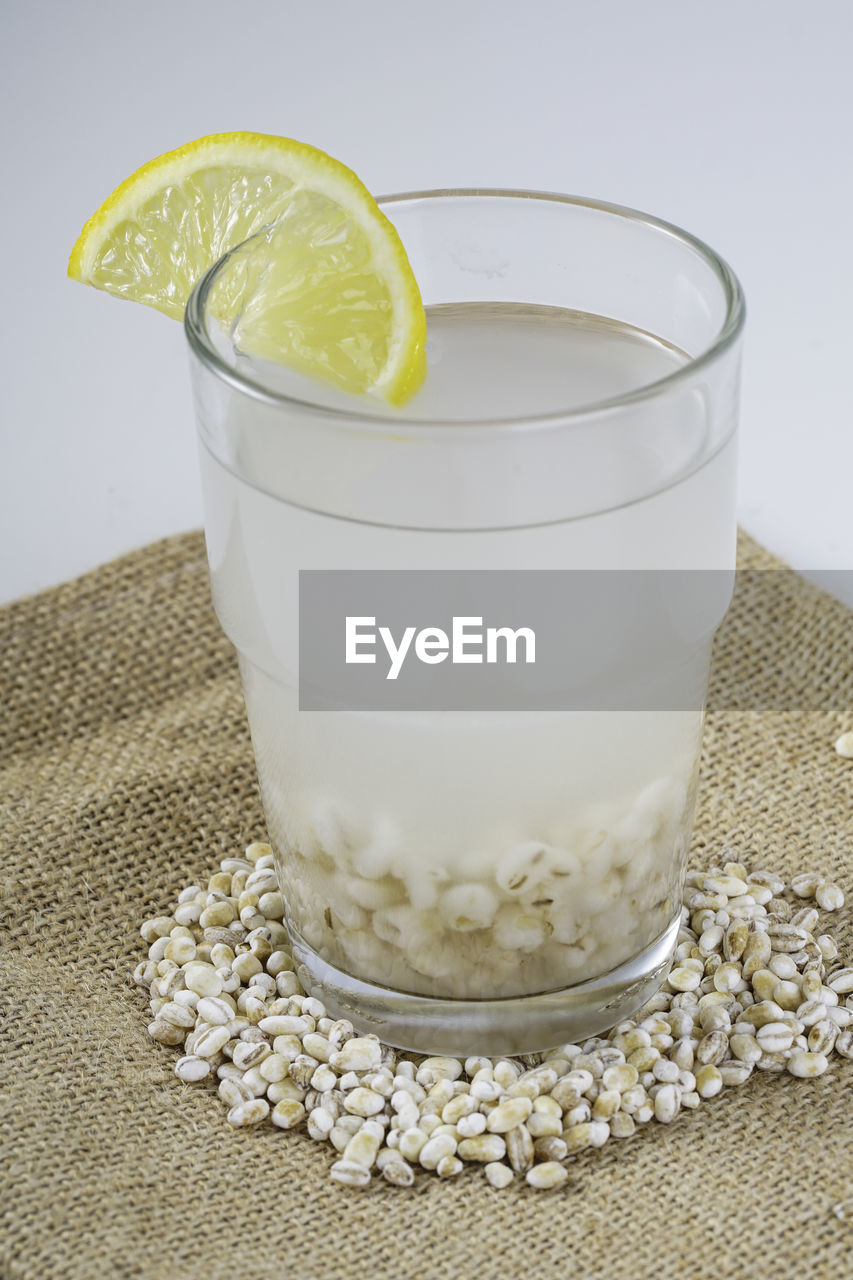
x=462 y=854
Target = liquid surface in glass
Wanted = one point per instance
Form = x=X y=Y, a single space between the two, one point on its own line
x=490 y=360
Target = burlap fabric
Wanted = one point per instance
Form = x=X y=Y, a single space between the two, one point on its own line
x=127 y=773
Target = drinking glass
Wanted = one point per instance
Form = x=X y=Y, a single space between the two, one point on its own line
x=485 y=877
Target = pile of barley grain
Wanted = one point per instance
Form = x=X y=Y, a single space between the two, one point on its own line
x=754 y=987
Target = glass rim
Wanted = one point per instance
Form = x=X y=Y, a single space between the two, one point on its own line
x=363 y=417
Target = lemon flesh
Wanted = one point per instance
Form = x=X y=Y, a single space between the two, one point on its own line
x=326 y=288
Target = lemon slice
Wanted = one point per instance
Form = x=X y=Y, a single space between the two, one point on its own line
x=335 y=297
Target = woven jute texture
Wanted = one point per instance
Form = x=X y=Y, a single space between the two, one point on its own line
x=127 y=773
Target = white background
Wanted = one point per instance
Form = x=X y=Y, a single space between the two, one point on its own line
x=733 y=118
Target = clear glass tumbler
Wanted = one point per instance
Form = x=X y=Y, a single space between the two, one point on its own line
x=483 y=881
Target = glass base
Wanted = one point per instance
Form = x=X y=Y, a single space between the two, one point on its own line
x=494 y=1028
